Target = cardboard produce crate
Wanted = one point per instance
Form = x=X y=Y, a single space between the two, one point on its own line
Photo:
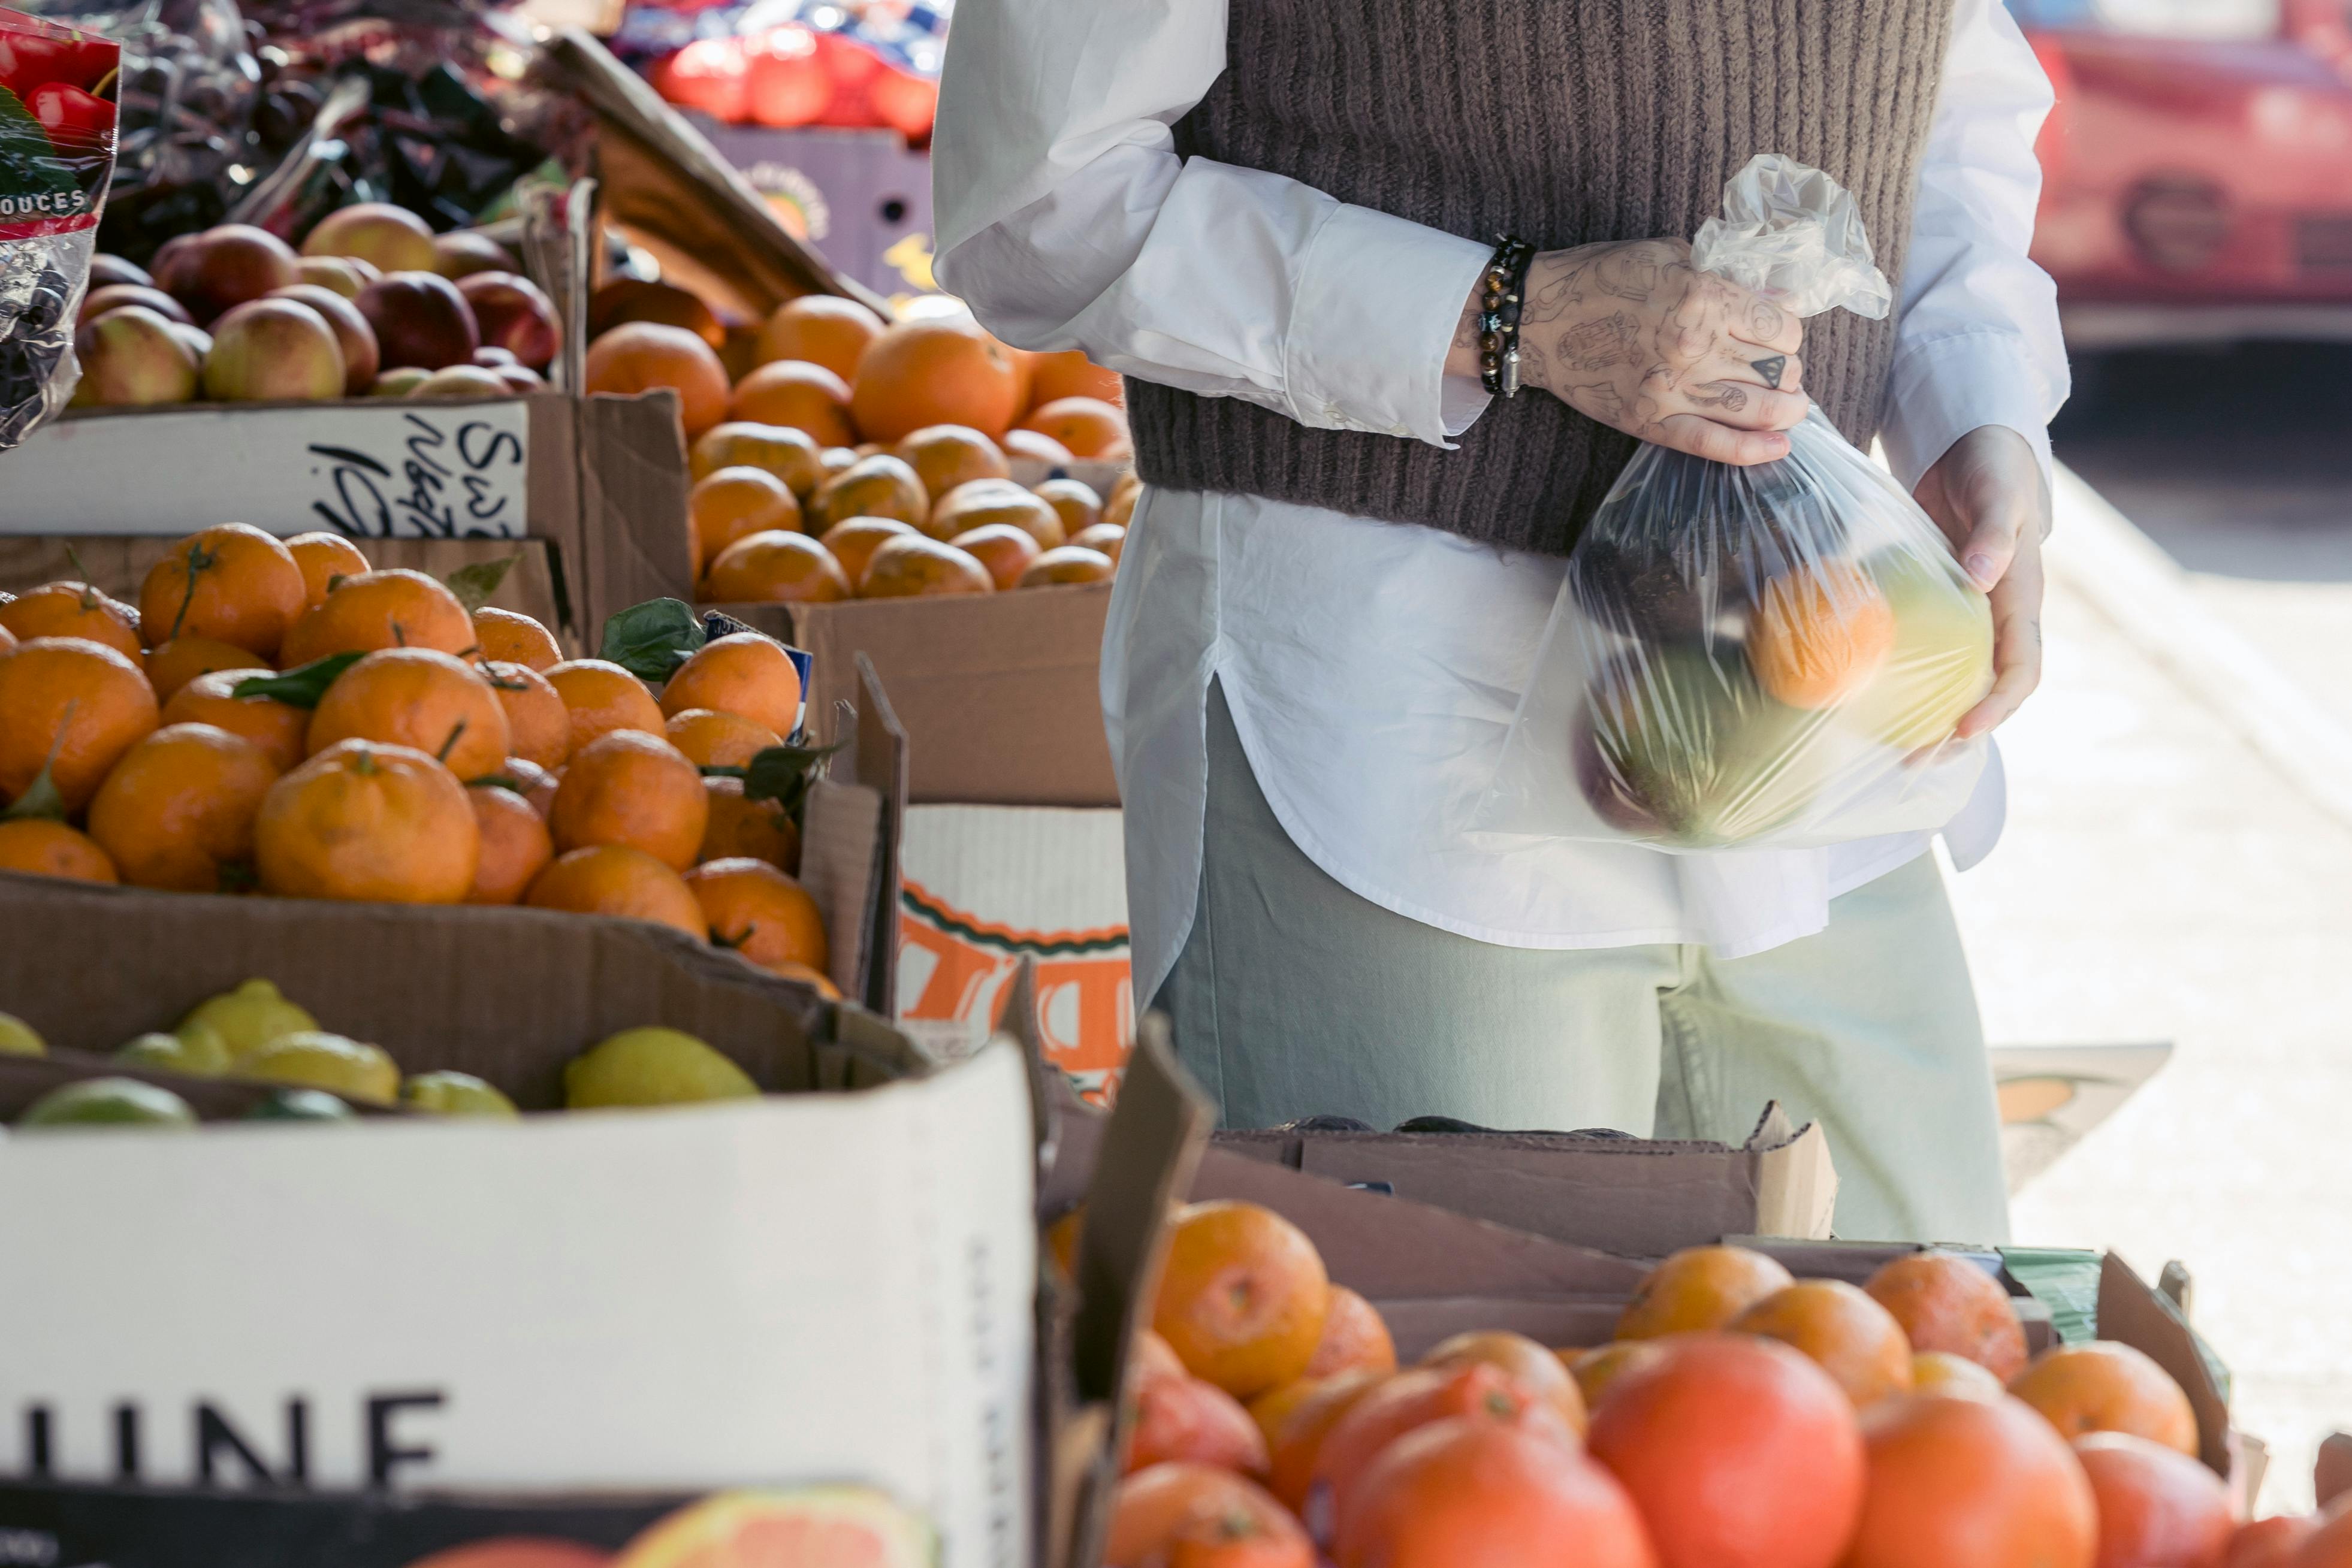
x=416 y=1330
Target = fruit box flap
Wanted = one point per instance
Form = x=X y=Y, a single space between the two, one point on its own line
x=1000 y=692
x=850 y=852
x=2150 y=1321
x=628 y=530
x=1637 y=1197
x=510 y=995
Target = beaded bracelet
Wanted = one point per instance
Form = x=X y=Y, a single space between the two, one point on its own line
x=1498 y=319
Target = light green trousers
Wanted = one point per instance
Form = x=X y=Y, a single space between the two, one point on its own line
x=1294 y=998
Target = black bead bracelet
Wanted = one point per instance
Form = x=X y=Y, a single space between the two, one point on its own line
x=1499 y=287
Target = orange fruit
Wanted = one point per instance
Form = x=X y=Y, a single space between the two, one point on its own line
x=631 y=789
x=1699 y=1287
x=1354 y=1335
x=1120 y=507
x=775 y=567
x=1946 y=1303
x=393 y=608
x=792 y=455
x=877 y=487
x=1148 y=1355
x=178 y=812
x=760 y=912
x=736 y=502
x=985 y=501
x=625 y=300
x=2106 y=1386
x=1739 y=1452
x=1818 y=632
x=512 y=637
x=614 y=880
x=820 y=329
x=740 y=827
x=1596 y=1370
x=853 y=541
x=1089 y=427
x=535 y=784
x=1184 y=1419
x=640 y=356
x=1105 y=538
x=797 y=396
x=1297 y=1440
x=2155 y=1506
x=1466 y=1493
x=39 y=846
x=837 y=459
x=1073 y=502
x=821 y=983
x=74 y=705
x=323 y=557
x=417 y=697
x=280 y=729
x=1407 y=1402
x=1270 y=1409
x=7 y=640
x=515 y=845
x=1953 y=1376
x=539 y=727
x=919 y=373
x=75 y=610
x=916 y=566
x=365 y=821
x=743 y=672
x=1200 y=1516
x=1038 y=448
x=1854 y=1340
x=1069 y=373
x=1527 y=1363
x=231 y=582
x=601 y=696
x=1963 y=1483
x=1243 y=1297
x=1002 y=550
x=174 y=663
x=2270 y=1543
x=2330 y=1545
x=946 y=456
x=1068 y=564
x=708 y=739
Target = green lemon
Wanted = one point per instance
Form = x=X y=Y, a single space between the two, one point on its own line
x=18 y=1038
x=198 y=1051
x=107 y=1103
x=653 y=1067
x=249 y=1017
x=301 y=1105
x=316 y=1060
x=455 y=1094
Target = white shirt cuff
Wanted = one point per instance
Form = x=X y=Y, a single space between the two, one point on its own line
x=1942 y=390
x=1378 y=301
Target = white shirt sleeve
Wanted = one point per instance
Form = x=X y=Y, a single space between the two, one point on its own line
x=1977 y=338
x=1065 y=220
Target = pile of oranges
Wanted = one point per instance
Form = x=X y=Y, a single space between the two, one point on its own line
x=278 y=717
x=1741 y=1418
x=853 y=458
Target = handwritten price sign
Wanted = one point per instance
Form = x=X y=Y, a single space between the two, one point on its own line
x=454 y=474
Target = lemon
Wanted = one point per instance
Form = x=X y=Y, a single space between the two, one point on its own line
x=653 y=1067
x=316 y=1060
x=107 y=1103
x=18 y=1038
x=249 y=1017
x=197 y=1049
x=455 y=1094
x=301 y=1105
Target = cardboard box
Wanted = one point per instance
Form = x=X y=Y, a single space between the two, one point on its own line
x=863 y=196
x=831 y=1283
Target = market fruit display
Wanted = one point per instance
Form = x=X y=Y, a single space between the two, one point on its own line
x=1742 y=1419
x=335 y=731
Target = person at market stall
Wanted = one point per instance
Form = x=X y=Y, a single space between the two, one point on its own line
x=1275 y=216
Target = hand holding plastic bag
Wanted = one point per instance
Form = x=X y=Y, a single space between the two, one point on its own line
x=1751 y=656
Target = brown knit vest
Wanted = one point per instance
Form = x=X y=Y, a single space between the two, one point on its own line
x=1564 y=121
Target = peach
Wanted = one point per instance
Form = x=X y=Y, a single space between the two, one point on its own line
x=346 y=275
x=215 y=271
x=466 y=252
x=273 y=350
x=462 y=380
x=420 y=319
x=514 y=314
x=114 y=295
x=391 y=238
x=352 y=334
x=132 y=356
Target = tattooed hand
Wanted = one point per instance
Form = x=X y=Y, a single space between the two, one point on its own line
x=1986 y=493
x=1628 y=333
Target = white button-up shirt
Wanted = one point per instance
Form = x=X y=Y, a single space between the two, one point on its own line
x=1372 y=668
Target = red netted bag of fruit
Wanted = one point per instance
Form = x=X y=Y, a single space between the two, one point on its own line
x=57 y=153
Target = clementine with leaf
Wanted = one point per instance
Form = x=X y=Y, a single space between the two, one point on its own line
x=368 y=821
x=73 y=706
x=231 y=582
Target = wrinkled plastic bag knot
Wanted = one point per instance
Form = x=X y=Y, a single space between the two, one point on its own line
x=1795 y=236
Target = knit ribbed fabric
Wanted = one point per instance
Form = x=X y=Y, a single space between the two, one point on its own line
x=1563 y=121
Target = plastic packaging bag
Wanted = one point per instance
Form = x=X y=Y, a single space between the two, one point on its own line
x=1771 y=656
x=57 y=153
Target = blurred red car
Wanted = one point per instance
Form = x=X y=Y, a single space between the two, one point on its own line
x=2198 y=170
